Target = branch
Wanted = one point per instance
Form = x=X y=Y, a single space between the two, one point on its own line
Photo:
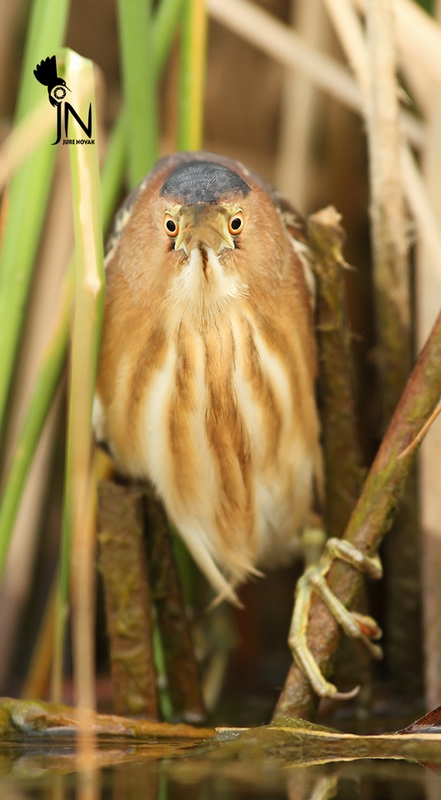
x=128 y=602
x=343 y=472
x=181 y=667
x=372 y=517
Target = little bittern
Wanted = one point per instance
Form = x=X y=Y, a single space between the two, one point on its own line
x=208 y=364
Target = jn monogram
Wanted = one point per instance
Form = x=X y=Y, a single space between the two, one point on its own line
x=46 y=73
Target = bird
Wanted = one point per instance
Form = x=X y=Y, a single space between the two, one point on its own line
x=207 y=373
x=46 y=73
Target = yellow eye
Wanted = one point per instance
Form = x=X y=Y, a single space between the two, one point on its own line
x=171 y=227
x=236 y=223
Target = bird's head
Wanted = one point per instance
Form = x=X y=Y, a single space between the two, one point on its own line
x=198 y=232
x=203 y=219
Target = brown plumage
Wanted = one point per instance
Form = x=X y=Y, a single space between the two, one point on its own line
x=208 y=362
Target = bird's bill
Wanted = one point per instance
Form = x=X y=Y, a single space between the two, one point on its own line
x=203 y=225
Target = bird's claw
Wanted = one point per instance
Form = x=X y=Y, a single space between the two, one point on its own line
x=358 y=626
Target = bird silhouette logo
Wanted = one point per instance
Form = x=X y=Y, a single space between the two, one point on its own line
x=46 y=74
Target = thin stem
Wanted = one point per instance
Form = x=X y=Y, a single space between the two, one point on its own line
x=391 y=268
x=89 y=297
x=166 y=19
x=192 y=76
x=39 y=405
x=28 y=193
x=136 y=45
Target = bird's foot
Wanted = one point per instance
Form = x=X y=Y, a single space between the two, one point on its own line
x=358 y=626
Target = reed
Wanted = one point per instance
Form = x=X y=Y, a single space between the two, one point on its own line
x=28 y=193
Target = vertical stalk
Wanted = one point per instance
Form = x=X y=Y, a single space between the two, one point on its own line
x=28 y=192
x=113 y=169
x=167 y=17
x=342 y=457
x=428 y=298
x=374 y=67
x=128 y=598
x=192 y=76
x=136 y=46
x=78 y=503
x=299 y=111
x=391 y=268
x=79 y=512
x=50 y=368
x=394 y=348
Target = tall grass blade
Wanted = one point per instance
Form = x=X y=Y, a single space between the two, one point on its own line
x=112 y=174
x=136 y=46
x=167 y=17
x=165 y=22
x=55 y=355
x=28 y=192
x=40 y=403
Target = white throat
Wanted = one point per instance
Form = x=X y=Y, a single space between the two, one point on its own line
x=203 y=285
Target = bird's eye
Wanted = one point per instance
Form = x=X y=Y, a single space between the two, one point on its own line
x=171 y=226
x=236 y=223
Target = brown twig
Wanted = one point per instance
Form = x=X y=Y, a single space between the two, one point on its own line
x=128 y=602
x=343 y=473
x=181 y=667
x=372 y=517
x=420 y=436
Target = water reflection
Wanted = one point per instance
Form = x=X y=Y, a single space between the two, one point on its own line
x=132 y=774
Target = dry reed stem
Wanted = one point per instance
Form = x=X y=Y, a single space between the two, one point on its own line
x=83 y=638
x=428 y=301
x=276 y=39
x=351 y=35
x=418 y=36
x=352 y=39
x=390 y=246
x=422 y=208
x=79 y=509
x=375 y=69
x=299 y=111
x=271 y=36
x=350 y=32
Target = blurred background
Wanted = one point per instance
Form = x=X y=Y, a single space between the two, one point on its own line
x=286 y=121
